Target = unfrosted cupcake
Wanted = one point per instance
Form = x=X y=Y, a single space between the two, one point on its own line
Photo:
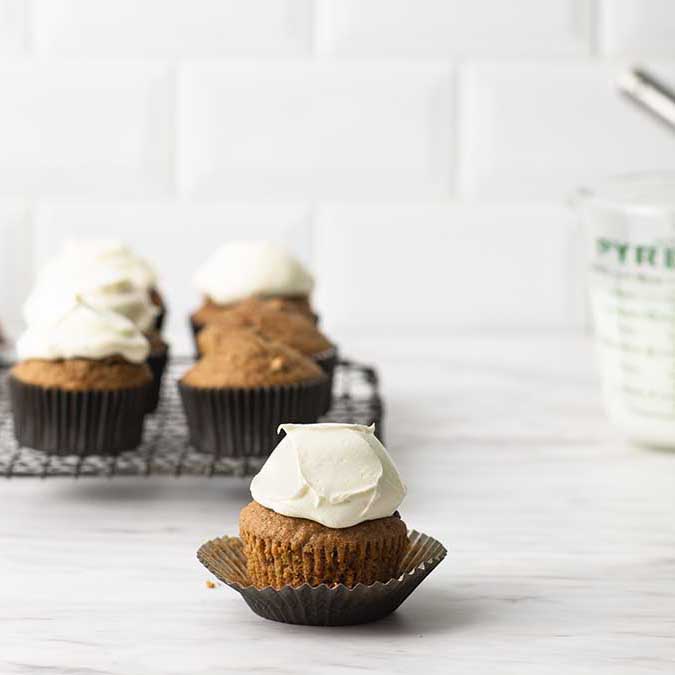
x=81 y=384
x=241 y=270
x=235 y=399
x=293 y=330
x=108 y=286
x=325 y=510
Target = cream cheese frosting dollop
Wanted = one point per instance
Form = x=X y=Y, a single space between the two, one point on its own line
x=100 y=287
x=240 y=269
x=338 y=475
x=81 y=257
x=81 y=331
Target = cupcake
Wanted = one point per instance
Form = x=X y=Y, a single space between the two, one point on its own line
x=81 y=384
x=325 y=510
x=243 y=270
x=235 y=399
x=293 y=330
x=83 y=258
x=106 y=286
x=157 y=362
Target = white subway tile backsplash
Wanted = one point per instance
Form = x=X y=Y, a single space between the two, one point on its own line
x=176 y=238
x=538 y=131
x=343 y=127
x=453 y=27
x=315 y=130
x=15 y=264
x=151 y=28
x=426 y=267
x=12 y=27
x=95 y=129
x=637 y=27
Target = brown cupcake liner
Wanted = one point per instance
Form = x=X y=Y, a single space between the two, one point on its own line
x=327 y=360
x=157 y=364
x=81 y=423
x=159 y=320
x=323 y=605
x=158 y=301
x=239 y=422
x=195 y=328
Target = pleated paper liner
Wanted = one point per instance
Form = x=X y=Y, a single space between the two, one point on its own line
x=81 y=423
x=240 y=422
x=323 y=605
x=157 y=364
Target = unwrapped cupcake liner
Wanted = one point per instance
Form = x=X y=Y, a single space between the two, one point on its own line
x=327 y=360
x=157 y=364
x=241 y=422
x=81 y=423
x=323 y=605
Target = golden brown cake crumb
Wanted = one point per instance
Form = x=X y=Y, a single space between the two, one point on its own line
x=291 y=305
x=83 y=374
x=293 y=330
x=295 y=305
x=246 y=359
x=210 y=584
x=282 y=550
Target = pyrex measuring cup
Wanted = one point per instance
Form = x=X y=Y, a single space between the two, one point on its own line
x=630 y=221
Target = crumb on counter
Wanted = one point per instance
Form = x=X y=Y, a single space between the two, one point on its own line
x=210 y=584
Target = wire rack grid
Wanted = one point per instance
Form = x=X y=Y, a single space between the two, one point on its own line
x=165 y=449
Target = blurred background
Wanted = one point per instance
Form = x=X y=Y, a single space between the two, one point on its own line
x=418 y=154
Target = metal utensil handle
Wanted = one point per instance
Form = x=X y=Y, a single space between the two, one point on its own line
x=650 y=93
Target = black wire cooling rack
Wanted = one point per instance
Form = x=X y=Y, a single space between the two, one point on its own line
x=165 y=449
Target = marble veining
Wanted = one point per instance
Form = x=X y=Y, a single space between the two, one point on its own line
x=560 y=536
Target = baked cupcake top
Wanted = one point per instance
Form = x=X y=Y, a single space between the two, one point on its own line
x=239 y=269
x=82 y=331
x=111 y=288
x=246 y=359
x=210 y=311
x=296 y=305
x=293 y=330
x=338 y=475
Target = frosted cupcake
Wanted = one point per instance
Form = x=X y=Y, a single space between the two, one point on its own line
x=325 y=510
x=106 y=285
x=241 y=270
x=82 y=384
x=82 y=258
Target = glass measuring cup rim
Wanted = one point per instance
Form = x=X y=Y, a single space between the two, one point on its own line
x=646 y=194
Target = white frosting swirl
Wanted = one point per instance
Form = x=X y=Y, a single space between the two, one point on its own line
x=81 y=331
x=243 y=268
x=338 y=475
x=100 y=287
x=81 y=255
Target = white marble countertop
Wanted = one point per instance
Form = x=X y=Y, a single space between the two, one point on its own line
x=561 y=541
